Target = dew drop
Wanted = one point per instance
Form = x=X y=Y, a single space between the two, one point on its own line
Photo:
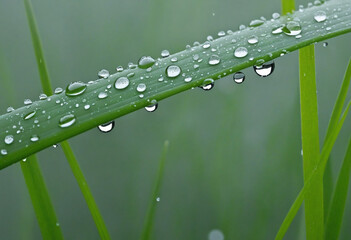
x=256 y=23
x=102 y=95
x=3 y=152
x=253 y=40
x=188 y=79
x=164 y=53
x=119 y=69
x=276 y=15
x=10 y=109
x=215 y=234
x=152 y=107
x=325 y=44
x=265 y=69
x=174 y=59
x=158 y=199
x=239 y=77
x=27 y=102
x=221 y=34
x=278 y=30
x=320 y=16
x=146 y=62
x=240 y=52
x=86 y=107
x=173 y=71
x=206 y=45
x=75 y=89
x=67 y=121
x=43 y=96
x=9 y=139
x=58 y=90
x=292 y=28
x=107 y=127
x=141 y=87
x=121 y=83
x=55 y=145
x=34 y=138
x=104 y=73
x=29 y=115
x=214 y=60
x=207 y=84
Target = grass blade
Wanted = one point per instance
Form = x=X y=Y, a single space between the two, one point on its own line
x=149 y=219
x=287 y=6
x=46 y=86
x=314 y=209
x=336 y=212
x=44 y=211
x=316 y=172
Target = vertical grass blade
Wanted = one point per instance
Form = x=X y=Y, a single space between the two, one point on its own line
x=287 y=6
x=314 y=210
x=46 y=86
x=49 y=227
x=149 y=219
x=336 y=212
x=329 y=143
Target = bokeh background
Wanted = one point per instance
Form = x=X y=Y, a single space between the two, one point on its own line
x=234 y=162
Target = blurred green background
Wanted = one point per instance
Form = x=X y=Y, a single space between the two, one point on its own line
x=234 y=162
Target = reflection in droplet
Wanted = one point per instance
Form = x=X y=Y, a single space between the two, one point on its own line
x=107 y=127
x=265 y=69
x=152 y=107
x=239 y=77
x=207 y=84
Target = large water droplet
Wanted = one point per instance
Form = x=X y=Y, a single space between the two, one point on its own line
x=9 y=139
x=207 y=84
x=265 y=69
x=173 y=71
x=239 y=77
x=75 y=89
x=141 y=87
x=121 y=83
x=292 y=28
x=29 y=115
x=240 y=52
x=67 y=121
x=256 y=23
x=104 y=73
x=146 y=62
x=214 y=60
x=107 y=127
x=152 y=107
x=320 y=16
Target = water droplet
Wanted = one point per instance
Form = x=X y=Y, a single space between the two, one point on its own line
x=3 y=152
x=58 y=90
x=152 y=107
x=207 y=84
x=158 y=199
x=43 y=96
x=75 y=89
x=239 y=77
x=146 y=62
x=107 y=127
x=119 y=69
x=320 y=16
x=242 y=27
x=278 y=30
x=29 y=115
x=27 y=102
x=265 y=69
x=276 y=15
x=67 y=121
x=86 y=107
x=214 y=60
x=240 y=52
x=174 y=59
x=34 y=138
x=102 y=95
x=221 y=34
x=141 y=87
x=325 y=44
x=188 y=79
x=253 y=40
x=9 y=139
x=292 y=28
x=10 y=109
x=165 y=53
x=215 y=234
x=173 y=71
x=256 y=23
x=121 y=83
x=206 y=45
x=55 y=145
x=104 y=73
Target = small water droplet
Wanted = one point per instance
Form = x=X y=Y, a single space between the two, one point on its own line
x=325 y=44
x=3 y=152
x=215 y=234
x=276 y=15
x=188 y=79
x=265 y=69
x=207 y=84
x=164 y=53
x=239 y=77
x=58 y=90
x=214 y=60
x=67 y=121
x=292 y=28
x=158 y=199
x=104 y=73
x=86 y=107
x=253 y=40
x=240 y=52
x=146 y=62
x=119 y=69
x=121 y=83
x=55 y=145
x=102 y=95
x=27 y=102
x=107 y=127
x=29 y=115
x=152 y=107
x=9 y=139
x=75 y=89
x=174 y=59
x=34 y=138
x=206 y=45
x=256 y=23
x=10 y=109
x=320 y=16
x=173 y=71
x=43 y=96
x=141 y=87
x=221 y=34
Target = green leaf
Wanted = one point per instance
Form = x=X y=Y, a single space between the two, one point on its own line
x=45 y=213
x=310 y=143
x=150 y=215
x=121 y=102
x=46 y=86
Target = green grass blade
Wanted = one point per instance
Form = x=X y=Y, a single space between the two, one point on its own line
x=45 y=213
x=46 y=86
x=149 y=219
x=337 y=207
x=287 y=6
x=314 y=209
x=329 y=143
x=121 y=102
